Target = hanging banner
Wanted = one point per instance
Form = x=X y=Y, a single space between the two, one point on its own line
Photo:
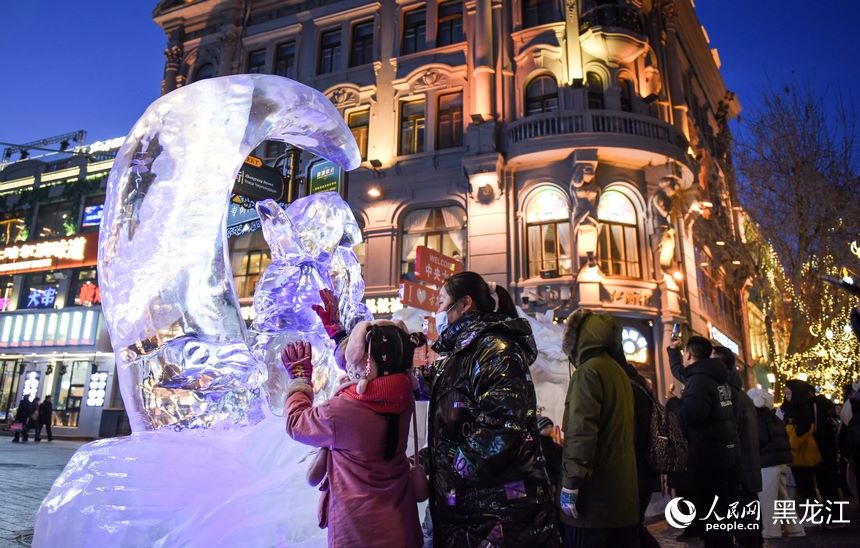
x=433 y=267
x=418 y=296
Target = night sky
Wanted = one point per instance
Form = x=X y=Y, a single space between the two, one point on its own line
x=96 y=65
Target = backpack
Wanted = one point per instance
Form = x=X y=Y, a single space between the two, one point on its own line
x=667 y=445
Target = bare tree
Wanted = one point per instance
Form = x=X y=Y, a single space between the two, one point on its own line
x=798 y=179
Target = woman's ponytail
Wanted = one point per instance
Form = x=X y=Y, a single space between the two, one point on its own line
x=505 y=303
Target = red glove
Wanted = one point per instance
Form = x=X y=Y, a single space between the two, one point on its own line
x=297 y=361
x=329 y=314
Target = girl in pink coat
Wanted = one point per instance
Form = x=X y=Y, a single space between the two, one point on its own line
x=367 y=499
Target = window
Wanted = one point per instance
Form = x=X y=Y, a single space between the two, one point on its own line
x=92 y=214
x=362 y=44
x=618 y=242
x=329 y=59
x=718 y=300
x=538 y=12
x=285 y=60
x=360 y=250
x=548 y=233
x=626 y=94
x=71 y=378
x=248 y=260
x=413 y=32
x=11 y=228
x=257 y=62
x=594 y=87
x=449 y=122
x=6 y=286
x=359 y=124
x=412 y=127
x=450 y=28
x=10 y=375
x=541 y=95
x=40 y=290
x=85 y=288
x=440 y=229
x=53 y=221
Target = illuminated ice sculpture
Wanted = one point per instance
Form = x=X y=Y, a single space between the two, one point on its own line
x=208 y=464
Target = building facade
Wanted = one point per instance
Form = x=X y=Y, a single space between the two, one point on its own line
x=53 y=339
x=575 y=152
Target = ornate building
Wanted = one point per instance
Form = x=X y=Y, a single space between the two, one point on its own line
x=576 y=152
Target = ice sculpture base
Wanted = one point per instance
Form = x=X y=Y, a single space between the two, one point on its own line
x=201 y=488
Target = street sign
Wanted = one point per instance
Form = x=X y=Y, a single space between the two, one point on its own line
x=326 y=176
x=258 y=181
x=433 y=267
x=419 y=296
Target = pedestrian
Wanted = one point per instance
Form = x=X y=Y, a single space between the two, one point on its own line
x=368 y=498
x=33 y=422
x=599 y=496
x=805 y=413
x=643 y=405
x=749 y=462
x=551 y=453
x=489 y=485
x=850 y=418
x=775 y=456
x=22 y=418
x=855 y=325
x=707 y=415
x=46 y=417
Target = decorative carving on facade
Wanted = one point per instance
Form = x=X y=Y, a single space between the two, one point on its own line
x=670 y=15
x=343 y=97
x=431 y=79
x=570 y=8
x=638 y=297
x=583 y=193
x=660 y=213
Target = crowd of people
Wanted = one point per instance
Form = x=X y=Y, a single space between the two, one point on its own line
x=498 y=474
x=33 y=415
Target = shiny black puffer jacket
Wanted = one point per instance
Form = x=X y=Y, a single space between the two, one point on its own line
x=487 y=472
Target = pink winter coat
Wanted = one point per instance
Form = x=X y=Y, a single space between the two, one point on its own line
x=370 y=502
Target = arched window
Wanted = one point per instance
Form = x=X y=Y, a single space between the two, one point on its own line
x=618 y=244
x=206 y=70
x=541 y=95
x=548 y=233
x=626 y=94
x=594 y=87
x=441 y=229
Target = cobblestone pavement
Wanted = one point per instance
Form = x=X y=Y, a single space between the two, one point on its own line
x=816 y=536
x=27 y=471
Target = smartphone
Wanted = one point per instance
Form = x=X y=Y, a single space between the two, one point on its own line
x=676 y=332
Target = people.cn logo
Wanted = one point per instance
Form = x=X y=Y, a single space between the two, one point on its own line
x=676 y=516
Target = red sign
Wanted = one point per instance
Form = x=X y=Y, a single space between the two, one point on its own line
x=71 y=252
x=433 y=267
x=418 y=296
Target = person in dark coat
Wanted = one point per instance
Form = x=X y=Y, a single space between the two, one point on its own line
x=775 y=456
x=749 y=462
x=707 y=415
x=600 y=489
x=488 y=479
x=22 y=416
x=551 y=453
x=803 y=409
x=46 y=415
x=643 y=405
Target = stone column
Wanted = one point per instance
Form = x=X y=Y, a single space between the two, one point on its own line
x=173 y=56
x=674 y=70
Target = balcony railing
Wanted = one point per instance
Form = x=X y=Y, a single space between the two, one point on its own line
x=612 y=15
x=593 y=121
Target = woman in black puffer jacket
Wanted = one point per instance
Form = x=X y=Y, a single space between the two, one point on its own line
x=775 y=453
x=487 y=472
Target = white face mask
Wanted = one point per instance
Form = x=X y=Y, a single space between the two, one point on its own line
x=442 y=320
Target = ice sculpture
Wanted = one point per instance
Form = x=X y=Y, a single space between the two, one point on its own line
x=208 y=464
